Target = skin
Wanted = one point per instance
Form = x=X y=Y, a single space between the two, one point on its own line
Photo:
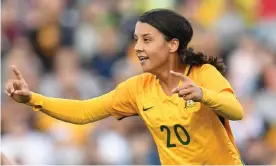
x=5 y=160
x=163 y=61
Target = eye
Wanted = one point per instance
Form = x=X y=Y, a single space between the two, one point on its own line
x=146 y=40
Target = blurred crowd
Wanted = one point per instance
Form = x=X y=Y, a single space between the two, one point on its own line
x=80 y=49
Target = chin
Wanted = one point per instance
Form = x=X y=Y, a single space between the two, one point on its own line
x=146 y=68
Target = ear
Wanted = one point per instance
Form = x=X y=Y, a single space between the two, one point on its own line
x=173 y=45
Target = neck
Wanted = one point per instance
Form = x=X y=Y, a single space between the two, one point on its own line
x=167 y=81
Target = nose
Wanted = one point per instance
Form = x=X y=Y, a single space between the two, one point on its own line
x=138 y=46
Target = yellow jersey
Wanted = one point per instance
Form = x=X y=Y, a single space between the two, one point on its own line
x=185 y=132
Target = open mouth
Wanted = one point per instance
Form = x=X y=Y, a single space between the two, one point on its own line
x=143 y=58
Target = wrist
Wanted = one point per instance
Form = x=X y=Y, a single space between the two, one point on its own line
x=30 y=98
x=203 y=95
x=34 y=99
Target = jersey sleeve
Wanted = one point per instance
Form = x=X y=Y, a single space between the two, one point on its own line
x=119 y=103
x=123 y=99
x=71 y=111
x=218 y=94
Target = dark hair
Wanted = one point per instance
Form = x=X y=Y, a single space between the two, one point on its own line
x=173 y=25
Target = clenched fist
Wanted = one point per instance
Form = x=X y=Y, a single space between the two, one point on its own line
x=188 y=90
x=17 y=88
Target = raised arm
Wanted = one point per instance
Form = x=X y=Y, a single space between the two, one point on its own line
x=119 y=103
x=72 y=111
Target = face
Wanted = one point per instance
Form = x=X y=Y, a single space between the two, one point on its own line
x=151 y=47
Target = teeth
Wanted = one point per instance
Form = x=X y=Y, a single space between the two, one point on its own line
x=143 y=58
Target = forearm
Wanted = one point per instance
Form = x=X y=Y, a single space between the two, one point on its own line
x=72 y=111
x=223 y=103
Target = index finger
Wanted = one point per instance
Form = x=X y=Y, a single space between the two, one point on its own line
x=17 y=73
x=180 y=75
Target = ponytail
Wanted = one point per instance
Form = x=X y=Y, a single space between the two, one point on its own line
x=189 y=57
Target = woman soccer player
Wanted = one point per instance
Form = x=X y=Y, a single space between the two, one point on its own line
x=182 y=97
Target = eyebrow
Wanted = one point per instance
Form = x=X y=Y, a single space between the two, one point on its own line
x=144 y=35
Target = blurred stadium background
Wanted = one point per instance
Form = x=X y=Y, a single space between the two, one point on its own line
x=80 y=49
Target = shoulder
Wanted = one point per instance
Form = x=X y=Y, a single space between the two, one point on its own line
x=206 y=74
x=210 y=78
x=208 y=67
x=142 y=79
x=204 y=68
x=140 y=82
